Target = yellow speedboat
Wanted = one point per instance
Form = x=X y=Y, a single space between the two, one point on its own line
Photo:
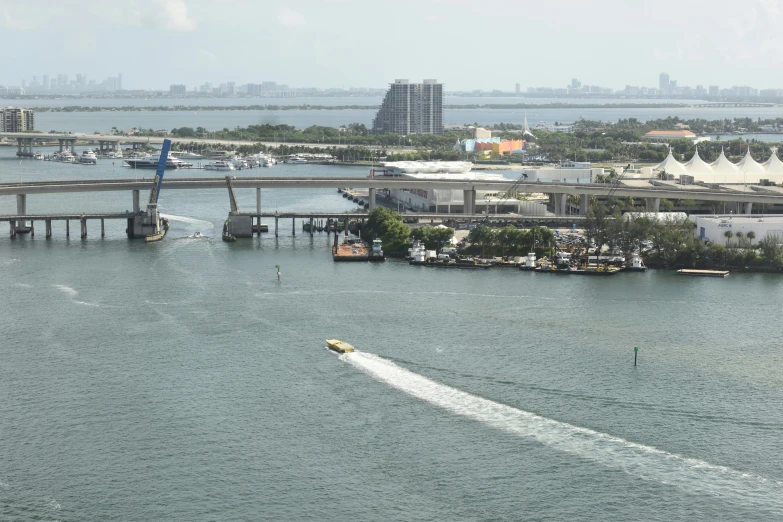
x=339 y=346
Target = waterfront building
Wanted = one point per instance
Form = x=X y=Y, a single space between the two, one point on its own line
x=447 y=201
x=714 y=228
x=565 y=172
x=13 y=119
x=178 y=90
x=411 y=108
x=748 y=170
x=666 y=135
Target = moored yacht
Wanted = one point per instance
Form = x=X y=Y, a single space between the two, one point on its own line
x=219 y=165
x=151 y=162
x=88 y=157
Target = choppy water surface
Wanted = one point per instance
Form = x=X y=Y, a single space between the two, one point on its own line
x=182 y=381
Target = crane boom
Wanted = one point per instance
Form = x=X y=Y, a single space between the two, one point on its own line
x=158 y=181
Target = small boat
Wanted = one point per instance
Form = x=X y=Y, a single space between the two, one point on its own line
x=197 y=234
x=339 y=346
x=376 y=254
x=219 y=165
x=227 y=235
x=636 y=265
x=38 y=156
x=161 y=233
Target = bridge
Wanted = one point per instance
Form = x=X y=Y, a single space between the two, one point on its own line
x=734 y=104
x=26 y=140
x=243 y=222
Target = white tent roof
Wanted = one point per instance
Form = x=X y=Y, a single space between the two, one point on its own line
x=723 y=165
x=671 y=165
x=773 y=165
x=748 y=165
x=698 y=165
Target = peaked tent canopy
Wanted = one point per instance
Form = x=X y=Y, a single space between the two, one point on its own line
x=671 y=166
x=773 y=165
x=748 y=165
x=724 y=166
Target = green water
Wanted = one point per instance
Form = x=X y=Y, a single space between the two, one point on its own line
x=182 y=381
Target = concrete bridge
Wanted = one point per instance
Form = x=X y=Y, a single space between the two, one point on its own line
x=243 y=222
x=26 y=140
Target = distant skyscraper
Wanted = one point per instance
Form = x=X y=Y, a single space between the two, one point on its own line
x=178 y=90
x=714 y=91
x=663 y=83
x=119 y=82
x=46 y=82
x=16 y=120
x=411 y=108
x=518 y=89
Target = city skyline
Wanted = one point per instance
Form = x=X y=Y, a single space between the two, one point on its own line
x=328 y=43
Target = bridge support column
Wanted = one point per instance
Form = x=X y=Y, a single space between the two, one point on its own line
x=19 y=146
x=13 y=228
x=60 y=140
x=67 y=228
x=346 y=230
x=293 y=227
x=84 y=227
x=258 y=201
x=276 y=220
x=311 y=224
x=469 y=201
x=748 y=208
x=21 y=209
x=584 y=204
x=32 y=228
x=371 y=198
x=561 y=200
x=103 y=228
x=136 y=206
x=48 y=228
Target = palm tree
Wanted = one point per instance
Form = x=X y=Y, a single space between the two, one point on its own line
x=740 y=241
x=751 y=236
x=728 y=234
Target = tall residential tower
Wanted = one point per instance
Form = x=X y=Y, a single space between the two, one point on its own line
x=411 y=108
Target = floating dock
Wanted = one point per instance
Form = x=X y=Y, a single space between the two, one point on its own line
x=703 y=273
x=351 y=252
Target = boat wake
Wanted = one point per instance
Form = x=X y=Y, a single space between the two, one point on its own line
x=66 y=289
x=646 y=462
x=191 y=221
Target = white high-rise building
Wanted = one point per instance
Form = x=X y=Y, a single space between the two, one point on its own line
x=411 y=108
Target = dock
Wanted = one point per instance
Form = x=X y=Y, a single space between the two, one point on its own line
x=703 y=273
x=356 y=251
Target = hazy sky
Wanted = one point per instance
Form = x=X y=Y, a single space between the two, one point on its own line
x=467 y=44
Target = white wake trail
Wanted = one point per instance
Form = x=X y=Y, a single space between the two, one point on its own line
x=189 y=220
x=639 y=460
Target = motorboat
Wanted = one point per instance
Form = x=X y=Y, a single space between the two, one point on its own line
x=637 y=265
x=197 y=234
x=38 y=156
x=376 y=254
x=339 y=346
x=296 y=160
x=219 y=165
x=88 y=157
x=65 y=156
x=151 y=162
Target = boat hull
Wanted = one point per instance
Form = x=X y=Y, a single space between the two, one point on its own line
x=339 y=346
x=164 y=227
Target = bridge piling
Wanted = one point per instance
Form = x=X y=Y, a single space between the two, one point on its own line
x=103 y=229
x=13 y=228
x=67 y=228
x=48 y=228
x=136 y=205
x=32 y=228
x=84 y=227
x=371 y=198
x=311 y=226
x=276 y=228
x=584 y=204
x=293 y=227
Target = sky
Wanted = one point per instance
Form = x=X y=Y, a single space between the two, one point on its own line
x=466 y=44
